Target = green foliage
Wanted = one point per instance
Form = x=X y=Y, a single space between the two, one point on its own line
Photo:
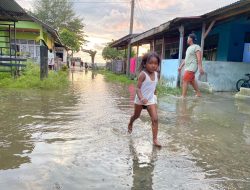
x=112 y=77
x=70 y=40
x=64 y=68
x=166 y=90
x=110 y=54
x=56 y=13
x=30 y=78
x=60 y=15
x=121 y=78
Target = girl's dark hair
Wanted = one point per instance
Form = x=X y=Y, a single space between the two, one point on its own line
x=146 y=58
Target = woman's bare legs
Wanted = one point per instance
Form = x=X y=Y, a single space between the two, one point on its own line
x=196 y=88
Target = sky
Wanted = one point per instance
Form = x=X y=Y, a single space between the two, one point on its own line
x=107 y=20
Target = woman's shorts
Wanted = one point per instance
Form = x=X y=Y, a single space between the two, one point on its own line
x=189 y=76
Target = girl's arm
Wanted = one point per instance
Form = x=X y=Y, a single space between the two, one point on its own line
x=141 y=78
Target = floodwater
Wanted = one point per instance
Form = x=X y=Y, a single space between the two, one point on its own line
x=76 y=139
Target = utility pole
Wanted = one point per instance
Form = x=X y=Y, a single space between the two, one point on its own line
x=130 y=32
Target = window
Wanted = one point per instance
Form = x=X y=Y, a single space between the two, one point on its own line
x=32 y=42
x=172 y=50
x=211 y=47
x=28 y=48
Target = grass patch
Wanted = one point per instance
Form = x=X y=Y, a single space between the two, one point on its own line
x=30 y=78
x=121 y=78
x=166 y=90
x=112 y=77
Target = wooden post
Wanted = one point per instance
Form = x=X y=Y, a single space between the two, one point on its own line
x=128 y=59
x=43 y=61
x=204 y=35
x=203 y=38
x=162 y=53
x=137 y=56
x=181 y=30
x=153 y=45
x=163 y=48
x=130 y=32
x=125 y=62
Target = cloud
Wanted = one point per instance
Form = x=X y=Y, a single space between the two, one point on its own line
x=148 y=5
x=107 y=21
x=118 y=22
x=26 y=4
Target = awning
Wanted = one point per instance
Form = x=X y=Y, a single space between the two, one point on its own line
x=168 y=28
x=10 y=10
x=123 y=42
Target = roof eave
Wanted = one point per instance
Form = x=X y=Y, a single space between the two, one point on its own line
x=122 y=41
x=172 y=24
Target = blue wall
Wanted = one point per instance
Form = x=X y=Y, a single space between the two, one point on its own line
x=231 y=38
x=223 y=45
x=169 y=71
x=237 y=42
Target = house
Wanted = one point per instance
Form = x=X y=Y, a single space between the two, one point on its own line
x=120 y=66
x=22 y=34
x=224 y=36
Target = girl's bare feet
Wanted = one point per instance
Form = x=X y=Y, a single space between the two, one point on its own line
x=157 y=144
x=130 y=128
x=198 y=94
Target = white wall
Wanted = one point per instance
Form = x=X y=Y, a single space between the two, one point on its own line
x=222 y=76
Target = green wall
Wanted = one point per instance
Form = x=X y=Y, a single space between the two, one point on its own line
x=42 y=35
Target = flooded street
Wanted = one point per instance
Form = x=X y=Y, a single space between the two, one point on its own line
x=77 y=138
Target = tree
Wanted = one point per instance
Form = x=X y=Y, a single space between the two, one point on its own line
x=60 y=15
x=70 y=40
x=92 y=55
x=109 y=53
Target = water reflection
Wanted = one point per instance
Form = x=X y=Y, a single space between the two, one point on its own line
x=244 y=108
x=76 y=139
x=93 y=74
x=25 y=116
x=86 y=71
x=143 y=167
x=15 y=146
x=185 y=110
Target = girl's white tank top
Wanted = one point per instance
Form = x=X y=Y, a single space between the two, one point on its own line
x=147 y=89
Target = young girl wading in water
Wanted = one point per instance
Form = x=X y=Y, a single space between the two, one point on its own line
x=145 y=93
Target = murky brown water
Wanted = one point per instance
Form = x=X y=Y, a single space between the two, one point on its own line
x=76 y=139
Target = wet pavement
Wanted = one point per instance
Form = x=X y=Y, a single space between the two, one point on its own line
x=76 y=138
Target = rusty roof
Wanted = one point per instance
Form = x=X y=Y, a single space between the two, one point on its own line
x=239 y=7
x=123 y=41
x=167 y=26
x=10 y=10
x=225 y=9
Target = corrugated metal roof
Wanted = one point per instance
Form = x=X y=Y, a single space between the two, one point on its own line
x=164 y=27
x=10 y=10
x=234 y=5
x=123 y=41
x=183 y=20
x=10 y=5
